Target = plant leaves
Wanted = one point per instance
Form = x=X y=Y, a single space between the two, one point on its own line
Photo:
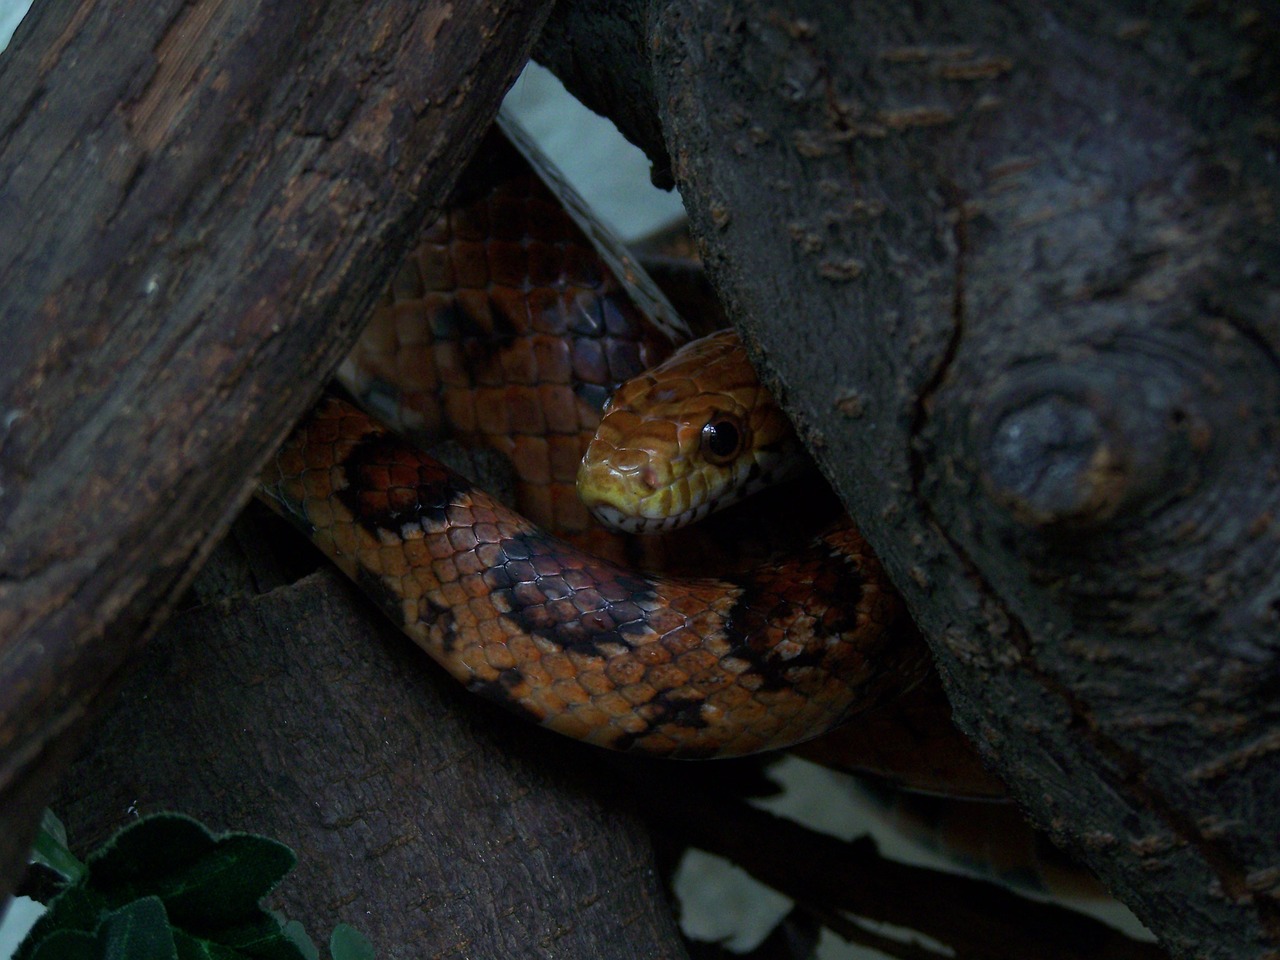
x=50 y=849
x=208 y=887
x=348 y=943
x=137 y=931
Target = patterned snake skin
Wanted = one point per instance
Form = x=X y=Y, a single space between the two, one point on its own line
x=504 y=331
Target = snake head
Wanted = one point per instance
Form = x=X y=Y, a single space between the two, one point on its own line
x=694 y=434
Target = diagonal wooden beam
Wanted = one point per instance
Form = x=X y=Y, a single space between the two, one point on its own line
x=198 y=201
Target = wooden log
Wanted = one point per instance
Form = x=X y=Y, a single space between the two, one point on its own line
x=199 y=200
x=434 y=823
x=1013 y=271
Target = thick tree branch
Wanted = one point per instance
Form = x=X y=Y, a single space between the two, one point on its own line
x=1013 y=271
x=199 y=201
x=435 y=824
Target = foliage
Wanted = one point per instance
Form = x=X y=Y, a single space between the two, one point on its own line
x=166 y=888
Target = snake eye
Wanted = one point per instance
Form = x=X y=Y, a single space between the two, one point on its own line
x=722 y=440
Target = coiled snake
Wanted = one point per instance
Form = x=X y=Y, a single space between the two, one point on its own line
x=506 y=329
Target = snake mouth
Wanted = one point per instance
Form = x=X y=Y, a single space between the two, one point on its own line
x=616 y=519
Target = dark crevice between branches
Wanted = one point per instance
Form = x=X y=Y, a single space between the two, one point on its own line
x=834 y=879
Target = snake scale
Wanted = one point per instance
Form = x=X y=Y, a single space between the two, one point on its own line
x=505 y=329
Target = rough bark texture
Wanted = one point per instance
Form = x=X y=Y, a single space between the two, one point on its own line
x=438 y=826
x=198 y=200
x=1012 y=268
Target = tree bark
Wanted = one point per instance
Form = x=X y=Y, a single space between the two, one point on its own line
x=200 y=199
x=434 y=823
x=1012 y=269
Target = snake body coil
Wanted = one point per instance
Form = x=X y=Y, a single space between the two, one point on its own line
x=687 y=668
x=514 y=343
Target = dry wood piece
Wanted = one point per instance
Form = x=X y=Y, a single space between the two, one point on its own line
x=199 y=200
x=1013 y=270
x=435 y=824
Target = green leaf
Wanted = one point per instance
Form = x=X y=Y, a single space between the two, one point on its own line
x=348 y=943
x=137 y=931
x=51 y=850
x=296 y=932
x=74 y=909
x=210 y=887
x=67 y=945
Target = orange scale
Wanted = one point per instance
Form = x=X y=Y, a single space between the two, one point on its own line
x=472 y=657
x=732 y=696
x=459 y=409
x=470 y=262
x=535 y=502
x=528 y=655
x=415 y=369
x=564 y=454
x=519 y=364
x=570 y=691
x=548 y=702
x=697 y=663
x=492 y=414
x=490 y=629
x=568 y=724
x=551 y=358
x=462 y=539
x=450 y=363
x=595 y=683
x=484 y=533
x=559 y=666
x=524 y=411
x=666 y=676
x=320 y=513
x=473 y=583
x=659 y=743
x=546 y=311
x=446 y=571
x=624 y=671
x=453 y=595
x=637 y=694
x=469 y=564
x=651 y=654
x=560 y=407
x=593 y=717
x=664 y=621
x=438 y=548
x=530 y=459
x=393 y=561
x=496 y=652
x=613 y=705
x=787 y=708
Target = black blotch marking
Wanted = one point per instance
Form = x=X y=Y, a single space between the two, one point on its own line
x=499 y=691
x=835 y=588
x=669 y=709
x=377 y=589
x=421 y=490
x=532 y=577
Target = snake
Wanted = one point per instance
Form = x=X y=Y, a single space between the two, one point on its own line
x=506 y=329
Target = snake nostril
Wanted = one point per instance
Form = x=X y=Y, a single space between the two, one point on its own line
x=649 y=477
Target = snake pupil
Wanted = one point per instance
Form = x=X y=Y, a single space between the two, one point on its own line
x=721 y=440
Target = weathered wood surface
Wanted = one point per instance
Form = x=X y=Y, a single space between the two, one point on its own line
x=1013 y=269
x=197 y=202
x=437 y=825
